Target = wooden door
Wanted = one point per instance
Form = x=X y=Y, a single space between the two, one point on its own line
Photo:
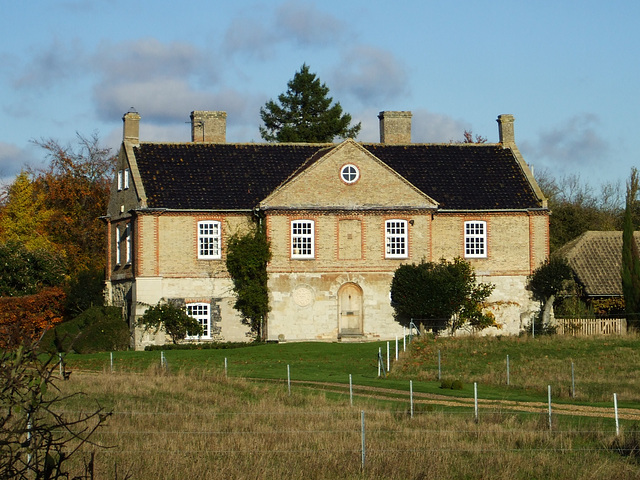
x=350 y=310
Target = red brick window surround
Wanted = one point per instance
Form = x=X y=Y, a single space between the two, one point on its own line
x=302 y=239
x=209 y=234
x=475 y=239
x=396 y=239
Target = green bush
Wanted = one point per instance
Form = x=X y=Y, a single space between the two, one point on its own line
x=449 y=384
x=97 y=329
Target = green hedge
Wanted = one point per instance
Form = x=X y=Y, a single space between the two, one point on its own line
x=97 y=329
x=202 y=346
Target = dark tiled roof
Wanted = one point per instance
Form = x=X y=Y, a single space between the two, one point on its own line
x=194 y=176
x=596 y=257
x=462 y=177
x=201 y=176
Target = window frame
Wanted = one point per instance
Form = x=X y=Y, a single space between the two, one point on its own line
x=204 y=319
x=118 y=240
x=204 y=251
x=120 y=180
x=355 y=171
x=475 y=242
x=125 y=185
x=395 y=236
x=127 y=243
x=304 y=237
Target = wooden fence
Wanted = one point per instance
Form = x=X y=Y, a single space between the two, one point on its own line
x=591 y=326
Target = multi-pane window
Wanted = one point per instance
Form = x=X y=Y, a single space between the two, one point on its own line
x=201 y=312
x=396 y=238
x=118 y=241
x=127 y=241
x=209 y=240
x=123 y=242
x=475 y=239
x=350 y=173
x=123 y=179
x=302 y=239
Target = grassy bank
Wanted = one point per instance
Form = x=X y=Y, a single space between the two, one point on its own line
x=602 y=366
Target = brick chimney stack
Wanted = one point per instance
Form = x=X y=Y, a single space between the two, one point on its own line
x=208 y=126
x=131 y=127
x=395 y=127
x=505 y=129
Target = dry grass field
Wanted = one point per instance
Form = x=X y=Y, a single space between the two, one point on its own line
x=192 y=425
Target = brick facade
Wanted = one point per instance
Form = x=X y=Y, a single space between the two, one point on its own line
x=342 y=290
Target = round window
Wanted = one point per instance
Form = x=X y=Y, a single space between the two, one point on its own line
x=350 y=173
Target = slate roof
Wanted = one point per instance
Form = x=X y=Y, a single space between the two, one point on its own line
x=596 y=257
x=462 y=177
x=208 y=176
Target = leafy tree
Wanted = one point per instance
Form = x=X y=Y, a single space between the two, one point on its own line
x=547 y=281
x=630 y=256
x=445 y=293
x=28 y=317
x=25 y=272
x=578 y=207
x=247 y=258
x=25 y=216
x=305 y=113
x=37 y=439
x=469 y=138
x=173 y=319
x=76 y=188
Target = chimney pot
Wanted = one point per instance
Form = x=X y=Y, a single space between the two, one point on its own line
x=395 y=127
x=208 y=126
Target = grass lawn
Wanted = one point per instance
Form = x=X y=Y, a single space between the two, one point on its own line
x=602 y=366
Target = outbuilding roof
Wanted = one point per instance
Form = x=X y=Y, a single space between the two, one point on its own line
x=596 y=257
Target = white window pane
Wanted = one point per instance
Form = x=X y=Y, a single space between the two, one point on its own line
x=209 y=240
x=302 y=237
x=396 y=238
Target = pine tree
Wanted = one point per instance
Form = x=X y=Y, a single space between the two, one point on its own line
x=630 y=256
x=305 y=113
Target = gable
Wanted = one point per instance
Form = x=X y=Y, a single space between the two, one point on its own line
x=347 y=177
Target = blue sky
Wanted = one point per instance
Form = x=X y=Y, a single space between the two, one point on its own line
x=567 y=70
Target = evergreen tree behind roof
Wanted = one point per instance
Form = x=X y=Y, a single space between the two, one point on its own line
x=305 y=114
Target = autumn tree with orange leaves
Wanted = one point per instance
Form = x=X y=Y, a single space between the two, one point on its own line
x=53 y=215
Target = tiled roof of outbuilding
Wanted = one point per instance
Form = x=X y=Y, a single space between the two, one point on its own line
x=203 y=176
x=596 y=257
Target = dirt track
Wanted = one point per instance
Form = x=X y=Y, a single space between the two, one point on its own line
x=452 y=401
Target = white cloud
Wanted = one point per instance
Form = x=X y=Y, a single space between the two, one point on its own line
x=55 y=62
x=575 y=143
x=371 y=75
x=430 y=127
x=163 y=100
x=14 y=159
x=259 y=33
x=147 y=58
x=303 y=23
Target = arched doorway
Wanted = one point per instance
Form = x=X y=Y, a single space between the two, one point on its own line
x=349 y=310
